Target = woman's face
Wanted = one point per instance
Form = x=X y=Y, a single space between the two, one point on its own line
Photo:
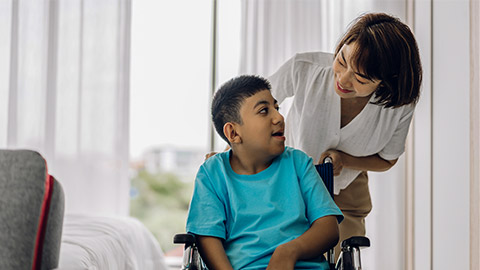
x=349 y=81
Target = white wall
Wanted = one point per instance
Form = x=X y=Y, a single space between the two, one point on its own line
x=442 y=137
x=450 y=107
x=422 y=137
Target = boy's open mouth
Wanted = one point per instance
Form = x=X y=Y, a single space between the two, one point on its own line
x=279 y=133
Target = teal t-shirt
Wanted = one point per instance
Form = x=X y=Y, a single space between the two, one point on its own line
x=256 y=213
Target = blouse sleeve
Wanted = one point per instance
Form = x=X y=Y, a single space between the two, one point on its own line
x=282 y=81
x=396 y=146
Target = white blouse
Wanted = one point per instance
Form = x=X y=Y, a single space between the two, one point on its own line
x=313 y=121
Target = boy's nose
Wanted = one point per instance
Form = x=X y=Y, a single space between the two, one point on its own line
x=278 y=118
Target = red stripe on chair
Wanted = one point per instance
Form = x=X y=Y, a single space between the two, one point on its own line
x=42 y=225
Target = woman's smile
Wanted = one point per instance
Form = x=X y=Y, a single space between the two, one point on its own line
x=342 y=89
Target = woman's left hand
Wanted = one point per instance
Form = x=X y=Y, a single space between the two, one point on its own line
x=337 y=160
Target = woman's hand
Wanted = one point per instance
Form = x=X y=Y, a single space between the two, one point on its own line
x=337 y=160
x=342 y=160
x=207 y=156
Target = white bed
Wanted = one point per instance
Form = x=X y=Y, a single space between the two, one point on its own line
x=98 y=243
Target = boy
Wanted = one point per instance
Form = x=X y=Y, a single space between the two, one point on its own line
x=261 y=204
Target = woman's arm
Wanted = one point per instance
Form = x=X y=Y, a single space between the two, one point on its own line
x=322 y=235
x=342 y=160
x=212 y=252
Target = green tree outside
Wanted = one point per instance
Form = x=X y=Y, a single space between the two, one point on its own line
x=161 y=202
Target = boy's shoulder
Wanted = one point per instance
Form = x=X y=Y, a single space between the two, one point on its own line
x=295 y=154
x=214 y=169
x=216 y=161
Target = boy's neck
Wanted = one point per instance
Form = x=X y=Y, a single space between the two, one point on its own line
x=246 y=163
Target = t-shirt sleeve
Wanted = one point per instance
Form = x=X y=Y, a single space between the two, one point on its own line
x=318 y=201
x=206 y=214
x=282 y=81
x=396 y=146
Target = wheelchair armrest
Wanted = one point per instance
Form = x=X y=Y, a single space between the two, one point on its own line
x=184 y=238
x=356 y=241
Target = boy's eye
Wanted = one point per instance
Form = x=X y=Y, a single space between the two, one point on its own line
x=264 y=110
x=277 y=108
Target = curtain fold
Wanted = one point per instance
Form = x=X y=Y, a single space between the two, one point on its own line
x=68 y=94
x=273 y=31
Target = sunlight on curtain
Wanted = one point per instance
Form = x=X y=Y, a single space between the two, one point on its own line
x=5 y=30
x=67 y=91
x=272 y=32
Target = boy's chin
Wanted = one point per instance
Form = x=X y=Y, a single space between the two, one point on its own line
x=281 y=149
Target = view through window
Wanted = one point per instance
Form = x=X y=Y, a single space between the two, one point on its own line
x=169 y=104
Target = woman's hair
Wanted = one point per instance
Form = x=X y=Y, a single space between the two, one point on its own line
x=229 y=98
x=386 y=50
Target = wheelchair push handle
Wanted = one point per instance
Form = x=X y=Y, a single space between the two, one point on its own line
x=356 y=242
x=327 y=160
x=184 y=238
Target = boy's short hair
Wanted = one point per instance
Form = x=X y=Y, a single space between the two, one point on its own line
x=230 y=96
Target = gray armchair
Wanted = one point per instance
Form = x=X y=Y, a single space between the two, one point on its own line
x=31 y=212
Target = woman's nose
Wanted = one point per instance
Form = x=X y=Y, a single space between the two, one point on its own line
x=344 y=79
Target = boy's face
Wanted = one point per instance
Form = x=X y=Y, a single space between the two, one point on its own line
x=262 y=131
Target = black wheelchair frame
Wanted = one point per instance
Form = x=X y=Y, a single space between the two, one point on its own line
x=349 y=258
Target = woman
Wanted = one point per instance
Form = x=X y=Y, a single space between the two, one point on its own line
x=354 y=106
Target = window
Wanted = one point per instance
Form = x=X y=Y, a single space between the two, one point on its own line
x=170 y=104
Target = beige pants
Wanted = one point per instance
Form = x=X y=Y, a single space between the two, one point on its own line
x=355 y=203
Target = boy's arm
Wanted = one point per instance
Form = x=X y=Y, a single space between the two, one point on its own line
x=213 y=253
x=322 y=235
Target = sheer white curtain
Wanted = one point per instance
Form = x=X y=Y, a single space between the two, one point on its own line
x=64 y=92
x=272 y=32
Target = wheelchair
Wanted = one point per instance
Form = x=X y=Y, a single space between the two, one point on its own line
x=349 y=258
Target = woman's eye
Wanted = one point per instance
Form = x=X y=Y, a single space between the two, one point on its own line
x=361 y=82
x=340 y=62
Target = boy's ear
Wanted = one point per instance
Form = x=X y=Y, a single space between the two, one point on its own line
x=229 y=129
